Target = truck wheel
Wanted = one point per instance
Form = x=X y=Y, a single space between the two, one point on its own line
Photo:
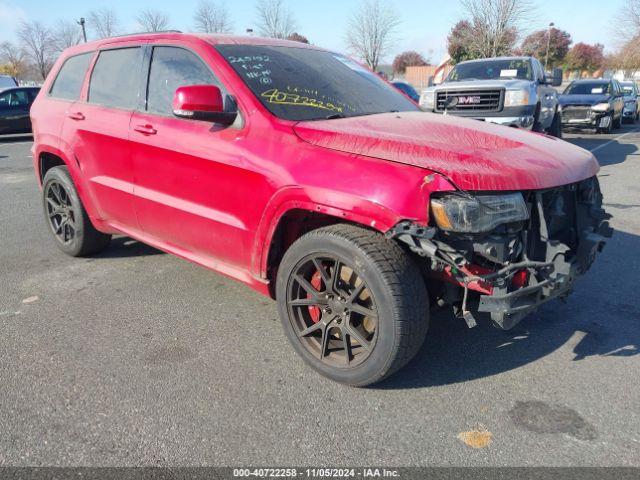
x=608 y=128
x=67 y=218
x=536 y=127
x=352 y=303
x=616 y=123
x=555 y=130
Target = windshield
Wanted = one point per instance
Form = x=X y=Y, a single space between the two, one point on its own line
x=305 y=84
x=492 y=70
x=587 y=88
x=7 y=82
x=628 y=88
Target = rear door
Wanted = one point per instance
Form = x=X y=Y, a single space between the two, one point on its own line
x=98 y=126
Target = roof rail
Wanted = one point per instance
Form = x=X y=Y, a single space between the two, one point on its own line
x=142 y=33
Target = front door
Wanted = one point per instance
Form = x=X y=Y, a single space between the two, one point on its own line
x=191 y=177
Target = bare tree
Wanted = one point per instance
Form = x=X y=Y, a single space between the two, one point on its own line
x=38 y=43
x=13 y=58
x=103 y=22
x=495 y=24
x=212 y=17
x=371 y=31
x=274 y=19
x=153 y=20
x=627 y=22
x=66 y=34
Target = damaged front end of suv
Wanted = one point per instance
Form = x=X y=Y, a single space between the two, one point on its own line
x=504 y=254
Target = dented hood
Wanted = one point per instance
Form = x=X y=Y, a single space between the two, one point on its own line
x=472 y=154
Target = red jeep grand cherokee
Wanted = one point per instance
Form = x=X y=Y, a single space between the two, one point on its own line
x=302 y=174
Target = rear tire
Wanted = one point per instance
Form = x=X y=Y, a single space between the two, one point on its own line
x=68 y=221
x=384 y=325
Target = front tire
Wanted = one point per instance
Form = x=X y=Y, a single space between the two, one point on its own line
x=616 y=123
x=352 y=303
x=609 y=128
x=555 y=130
x=67 y=219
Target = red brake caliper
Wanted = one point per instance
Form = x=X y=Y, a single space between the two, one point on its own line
x=316 y=282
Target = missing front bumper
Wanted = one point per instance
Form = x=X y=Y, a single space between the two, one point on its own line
x=567 y=228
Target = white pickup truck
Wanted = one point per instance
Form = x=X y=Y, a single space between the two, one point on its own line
x=513 y=91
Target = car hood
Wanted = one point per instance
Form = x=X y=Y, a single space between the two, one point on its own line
x=474 y=155
x=582 y=99
x=483 y=84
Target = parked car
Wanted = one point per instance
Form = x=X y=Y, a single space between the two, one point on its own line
x=512 y=91
x=302 y=174
x=408 y=90
x=7 y=82
x=631 y=93
x=594 y=104
x=14 y=109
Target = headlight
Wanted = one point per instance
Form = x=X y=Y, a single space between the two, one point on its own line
x=427 y=100
x=514 y=98
x=474 y=214
x=600 y=107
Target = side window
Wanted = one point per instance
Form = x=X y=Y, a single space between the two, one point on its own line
x=14 y=98
x=68 y=83
x=116 y=78
x=173 y=67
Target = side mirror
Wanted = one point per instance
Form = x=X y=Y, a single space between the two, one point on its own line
x=556 y=79
x=201 y=102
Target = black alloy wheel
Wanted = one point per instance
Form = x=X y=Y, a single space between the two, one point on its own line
x=332 y=311
x=353 y=303
x=67 y=219
x=62 y=216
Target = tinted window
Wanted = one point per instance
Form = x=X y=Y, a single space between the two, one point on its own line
x=68 y=83
x=116 y=78
x=492 y=70
x=14 y=98
x=587 y=88
x=305 y=84
x=173 y=67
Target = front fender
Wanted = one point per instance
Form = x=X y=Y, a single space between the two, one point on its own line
x=343 y=206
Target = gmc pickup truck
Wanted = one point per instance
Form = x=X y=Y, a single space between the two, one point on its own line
x=513 y=91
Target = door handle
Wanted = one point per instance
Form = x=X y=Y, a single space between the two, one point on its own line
x=76 y=116
x=145 y=129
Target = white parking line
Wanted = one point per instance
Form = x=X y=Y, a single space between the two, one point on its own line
x=613 y=140
x=15 y=143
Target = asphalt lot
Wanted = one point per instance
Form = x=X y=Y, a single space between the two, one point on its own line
x=135 y=357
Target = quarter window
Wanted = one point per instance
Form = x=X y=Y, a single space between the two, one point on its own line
x=173 y=67
x=68 y=83
x=116 y=78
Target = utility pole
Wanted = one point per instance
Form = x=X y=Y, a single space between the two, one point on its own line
x=546 y=58
x=84 y=32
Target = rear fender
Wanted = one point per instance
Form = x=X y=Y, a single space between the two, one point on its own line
x=76 y=176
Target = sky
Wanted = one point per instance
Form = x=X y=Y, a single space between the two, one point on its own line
x=424 y=23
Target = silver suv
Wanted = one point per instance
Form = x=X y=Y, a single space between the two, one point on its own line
x=513 y=91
